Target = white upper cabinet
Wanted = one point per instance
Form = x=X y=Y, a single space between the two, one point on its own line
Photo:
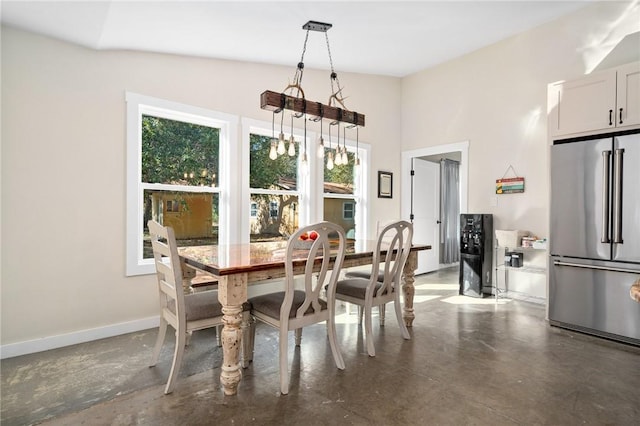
x=604 y=100
x=628 y=99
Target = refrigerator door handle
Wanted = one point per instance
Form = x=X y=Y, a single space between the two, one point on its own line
x=617 y=197
x=606 y=160
x=603 y=268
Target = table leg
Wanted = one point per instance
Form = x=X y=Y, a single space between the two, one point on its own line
x=232 y=293
x=408 y=288
x=188 y=273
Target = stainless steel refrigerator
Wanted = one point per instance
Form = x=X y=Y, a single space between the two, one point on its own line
x=594 y=238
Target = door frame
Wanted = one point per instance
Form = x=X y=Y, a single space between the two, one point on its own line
x=405 y=180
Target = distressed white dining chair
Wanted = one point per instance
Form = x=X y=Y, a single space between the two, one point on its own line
x=373 y=290
x=366 y=273
x=184 y=312
x=292 y=309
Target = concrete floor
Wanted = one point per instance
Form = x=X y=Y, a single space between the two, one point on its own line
x=470 y=361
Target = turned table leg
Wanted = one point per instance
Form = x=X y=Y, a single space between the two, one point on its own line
x=232 y=293
x=408 y=288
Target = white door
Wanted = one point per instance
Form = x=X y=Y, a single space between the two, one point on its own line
x=426 y=213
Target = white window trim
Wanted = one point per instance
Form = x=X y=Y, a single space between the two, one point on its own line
x=140 y=104
x=361 y=186
x=234 y=149
x=250 y=126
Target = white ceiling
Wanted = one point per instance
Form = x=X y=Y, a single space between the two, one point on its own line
x=394 y=38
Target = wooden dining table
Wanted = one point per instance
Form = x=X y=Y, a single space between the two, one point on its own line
x=236 y=266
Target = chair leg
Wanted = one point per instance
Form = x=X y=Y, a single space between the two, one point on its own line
x=219 y=335
x=368 y=330
x=181 y=337
x=298 y=334
x=360 y=314
x=248 y=338
x=333 y=342
x=187 y=340
x=381 y=313
x=284 y=360
x=403 y=327
x=162 y=331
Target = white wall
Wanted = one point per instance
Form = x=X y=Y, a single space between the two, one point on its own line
x=496 y=99
x=63 y=172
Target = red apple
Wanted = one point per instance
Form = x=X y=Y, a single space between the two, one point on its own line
x=304 y=236
x=313 y=235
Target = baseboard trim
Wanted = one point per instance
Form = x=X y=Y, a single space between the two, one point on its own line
x=53 y=342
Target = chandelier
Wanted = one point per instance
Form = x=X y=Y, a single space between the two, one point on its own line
x=292 y=99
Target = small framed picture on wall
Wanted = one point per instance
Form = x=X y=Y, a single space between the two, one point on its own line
x=385 y=184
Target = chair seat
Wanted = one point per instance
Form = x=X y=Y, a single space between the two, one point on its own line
x=364 y=274
x=269 y=304
x=354 y=287
x=203 y=305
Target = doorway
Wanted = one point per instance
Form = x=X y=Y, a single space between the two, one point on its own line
x=420 y=196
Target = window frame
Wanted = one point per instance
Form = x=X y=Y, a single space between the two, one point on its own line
x=234 y=149
x=350 y=210
x=360 y=190
x=263 y=128
x=139 y=105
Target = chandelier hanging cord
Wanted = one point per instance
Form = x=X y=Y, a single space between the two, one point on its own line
x=334 y=77
x=297 y=78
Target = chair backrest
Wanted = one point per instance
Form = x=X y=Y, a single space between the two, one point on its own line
x=168 y=269
x=395 y=238
x=381 y=224
x=313 y=252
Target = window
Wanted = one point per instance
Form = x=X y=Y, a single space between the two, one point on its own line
x=188 y=168
x=273 y=188
x=172 y=206
x=348 y=210
x=273 y=209
x=172 y=175
x=343 y=187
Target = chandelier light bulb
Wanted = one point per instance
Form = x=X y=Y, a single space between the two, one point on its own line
x=281 y=149
x=320 y=147
x=273 y=154
x=292 y=147
x=304 y=163
x=330 y=161
x=337 y=158
x=345 y=158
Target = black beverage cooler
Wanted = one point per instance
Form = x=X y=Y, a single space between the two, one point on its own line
x=476 y=254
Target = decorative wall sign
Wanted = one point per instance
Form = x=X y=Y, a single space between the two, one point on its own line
x=385 y=184
x=510 y=185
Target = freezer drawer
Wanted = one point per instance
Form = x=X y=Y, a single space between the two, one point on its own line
x=594 y=300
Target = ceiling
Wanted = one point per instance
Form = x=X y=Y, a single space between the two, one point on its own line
x=391 y=38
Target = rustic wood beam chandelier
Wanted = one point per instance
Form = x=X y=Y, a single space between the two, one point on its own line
x=292 y=99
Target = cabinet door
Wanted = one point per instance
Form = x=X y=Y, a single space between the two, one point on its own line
x=628 y=104
x=582 y=105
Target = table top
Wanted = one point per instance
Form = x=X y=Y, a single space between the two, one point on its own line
x=251 y=257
